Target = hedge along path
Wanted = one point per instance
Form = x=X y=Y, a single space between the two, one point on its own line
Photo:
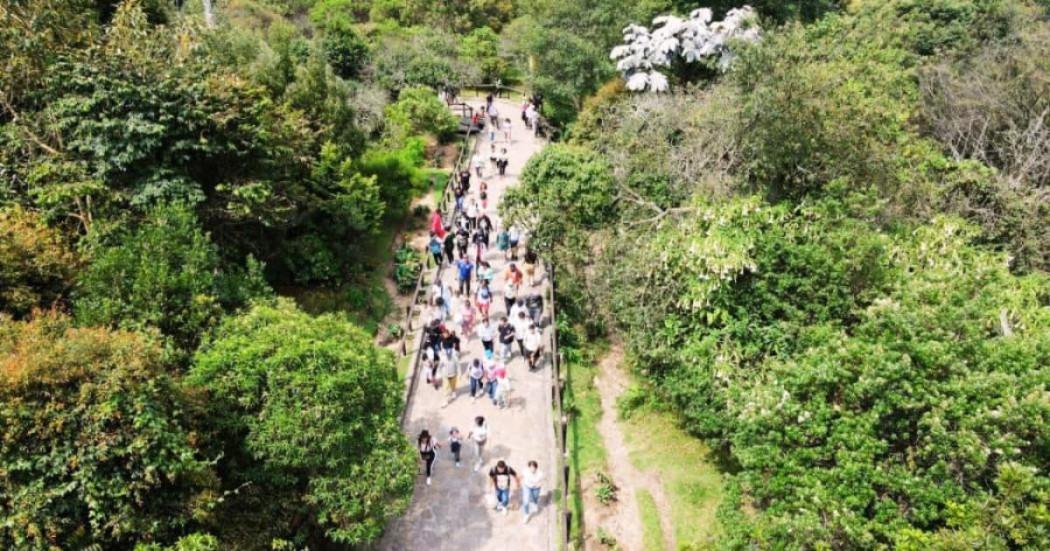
x=453 y=512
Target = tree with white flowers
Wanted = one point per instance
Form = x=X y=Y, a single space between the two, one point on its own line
x=645 y=56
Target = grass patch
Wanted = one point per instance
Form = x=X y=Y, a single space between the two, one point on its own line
x=652 y=533
x=692 y=482
x=584 y=442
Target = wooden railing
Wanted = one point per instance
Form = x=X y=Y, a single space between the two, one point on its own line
x=561 y=419
x=446 y=205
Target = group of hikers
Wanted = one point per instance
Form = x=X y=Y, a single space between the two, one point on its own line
x=466 y=312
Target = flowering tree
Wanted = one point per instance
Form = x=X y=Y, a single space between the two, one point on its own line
x=645 y=53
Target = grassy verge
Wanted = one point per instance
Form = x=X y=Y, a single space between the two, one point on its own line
x=652 y=533
x=584 y=442
x=692 y=482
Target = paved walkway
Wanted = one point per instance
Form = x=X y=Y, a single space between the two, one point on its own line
x=453 y=513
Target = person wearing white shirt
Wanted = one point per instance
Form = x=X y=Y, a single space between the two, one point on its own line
x=531 y=484
x=521 y=328
x=533 y=346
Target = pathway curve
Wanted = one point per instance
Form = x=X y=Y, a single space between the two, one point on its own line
x=452 y=512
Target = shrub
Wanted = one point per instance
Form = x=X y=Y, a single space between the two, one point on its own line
x=307 y=409
x=407 y=267
x=165 y=274
x=94 y=450
x=418 y=110
x=36 y=266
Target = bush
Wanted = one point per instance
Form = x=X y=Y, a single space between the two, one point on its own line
x=407 y=267
x=165 y=274
x=307 y=409
x=397 y=172
x=36 y=266
x=418 y=110
x=94 y=450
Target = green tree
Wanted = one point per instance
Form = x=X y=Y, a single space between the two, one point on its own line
x=36 y=265
x=562 y=188
x=165 y=274
x=417 y=111
x=94 y=449
x=482 y=48
x=307 y=412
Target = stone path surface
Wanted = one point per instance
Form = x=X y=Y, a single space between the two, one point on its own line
x=453 y=513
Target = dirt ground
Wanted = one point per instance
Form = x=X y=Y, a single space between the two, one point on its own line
x=622 y=520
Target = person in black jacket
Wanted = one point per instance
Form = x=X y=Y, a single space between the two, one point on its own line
x=534 y=303
x=506 y=338
x=450 y=246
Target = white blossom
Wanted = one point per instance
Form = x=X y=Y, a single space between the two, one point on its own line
x=694 y=39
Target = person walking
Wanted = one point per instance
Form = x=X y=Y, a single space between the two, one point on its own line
x=455 y=444
x=487 y=335
x=480 y=241
x=531 y=259
x=485 y=224
x=532 y=483
x=465 y=267
x=435 y=248
x=494 y=117
x=515 y=238
x=501 y=397
x=466 y=317
x=533 y=346
x=492 y=379
x=510 y=297
x=503 y=243
x=534 y=304
x=449 y=368
x=439 y=299
x=462 y=238
x=502 y=162
x=521 y=329
x=479 y=435
x=506 y=339
x=450 y=344
x=533 y=116
x=433 y=336
x=437 y=225
x=485 y=273
x=476 y=375
x=501 y=476
x=483 y=194
x=506 y=130
x=472 y=214
x=427 y=446
x=484 y=300
x=450 y=247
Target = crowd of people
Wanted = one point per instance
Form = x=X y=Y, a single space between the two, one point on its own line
x=469 y=309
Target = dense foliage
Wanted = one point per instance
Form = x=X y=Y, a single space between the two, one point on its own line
x=161 y=173
x=95 y=448
x=306 y=408
x=830 y=263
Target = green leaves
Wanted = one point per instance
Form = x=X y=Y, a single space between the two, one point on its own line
x=94 y=449
x=418 y=110
x=167 y=275
x=316 y=405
